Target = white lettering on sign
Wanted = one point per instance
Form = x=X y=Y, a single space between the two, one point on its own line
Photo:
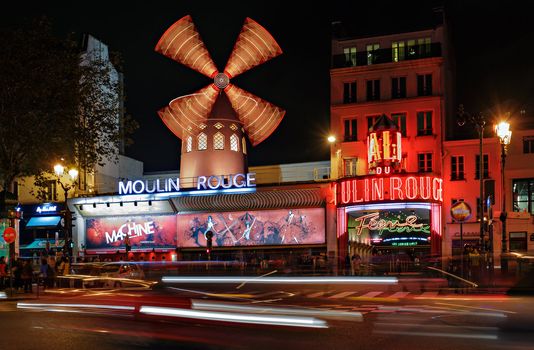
x=213 y=182
x=46 y=208
x=216 y=182
x=130 y=229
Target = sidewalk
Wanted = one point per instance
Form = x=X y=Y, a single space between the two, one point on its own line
x=6 y=295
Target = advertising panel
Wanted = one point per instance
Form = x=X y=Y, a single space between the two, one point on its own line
x=144 y=232
x=392 y=227
x=253 y=228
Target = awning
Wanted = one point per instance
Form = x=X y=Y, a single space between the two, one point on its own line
x=43 y=222
x=41 y=244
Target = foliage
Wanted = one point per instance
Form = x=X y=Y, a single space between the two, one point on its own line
x=55 y=102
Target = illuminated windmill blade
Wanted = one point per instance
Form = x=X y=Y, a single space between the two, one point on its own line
x=253 y=47
x=259 y=117
x=188 y=114
x=182 y=43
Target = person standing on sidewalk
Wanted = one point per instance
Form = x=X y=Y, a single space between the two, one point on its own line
x=27 y=275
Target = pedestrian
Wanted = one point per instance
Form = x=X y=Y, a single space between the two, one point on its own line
x=347 y=265
x=43 y=273
x=27 y=276
x=356 y=262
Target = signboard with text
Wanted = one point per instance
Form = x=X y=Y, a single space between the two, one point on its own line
x=144 y=232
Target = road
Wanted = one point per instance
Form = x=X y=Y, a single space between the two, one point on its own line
x=335 y=316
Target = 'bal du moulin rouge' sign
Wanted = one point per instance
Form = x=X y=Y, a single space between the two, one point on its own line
x=392 y=188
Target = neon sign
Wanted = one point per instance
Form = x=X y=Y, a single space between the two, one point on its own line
x=46 y=208
x=130 y=229
x=373 y=222
x=393 y=188
x=209 y=183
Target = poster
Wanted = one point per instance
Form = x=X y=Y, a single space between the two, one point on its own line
x=144 y=232
x=253 y=228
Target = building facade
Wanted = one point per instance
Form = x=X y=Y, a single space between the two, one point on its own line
x=403 y=77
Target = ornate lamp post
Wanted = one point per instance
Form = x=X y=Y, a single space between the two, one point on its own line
x=60 y=171
x=505 y=136
x=333 y=141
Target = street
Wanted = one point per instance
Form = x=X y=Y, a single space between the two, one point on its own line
x=242 y=316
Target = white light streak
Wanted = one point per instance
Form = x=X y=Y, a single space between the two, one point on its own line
x=232 y=317
x=281 y=280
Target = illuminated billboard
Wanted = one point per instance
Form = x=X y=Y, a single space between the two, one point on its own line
x=144 y=232
x=391 y=227
x=253 y=228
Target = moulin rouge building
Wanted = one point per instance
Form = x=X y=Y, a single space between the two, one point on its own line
x=388 y=115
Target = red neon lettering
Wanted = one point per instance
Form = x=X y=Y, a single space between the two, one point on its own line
x=424 y=187
x=345 y=192
x=411 y=187
x=377 y=189
x=366 y=190
x=437 y=189
x=355 y=191
x=395 y=184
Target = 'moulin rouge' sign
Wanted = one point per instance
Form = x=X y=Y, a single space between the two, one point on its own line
x=389 y=189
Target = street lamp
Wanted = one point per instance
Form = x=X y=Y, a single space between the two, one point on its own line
x=333 y=142
x=59 y=169
x=505 y=136
x=479 y=121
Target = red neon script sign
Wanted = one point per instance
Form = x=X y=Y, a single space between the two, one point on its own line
x=392 y=188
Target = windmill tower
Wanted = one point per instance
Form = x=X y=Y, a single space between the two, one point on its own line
x=213 y=121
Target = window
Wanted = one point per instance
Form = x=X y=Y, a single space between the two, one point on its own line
x=457 y=168
x=485 y=166
x=218 y=141
x=373 y=90
x=411 y=48
x=234 y=143
x=528 y=144
x=424 y=46
x=424 y=162
x=397 y=51
x=349 y=92
x=523 y=194
x=244 y=145
x=372 y=53
x=400 y=120
x=351 y=130
x=518 y=241
x=189 y=144
x=424 y=85
x=50 y=190
x=424 y=123
x=398 y=87
x=218 y=126
x=202 y=142
x=349 y=166
x=371 y=121
x=350 y=56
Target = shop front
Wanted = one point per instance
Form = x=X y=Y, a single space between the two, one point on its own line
x=41 y=229
x=284 y=225
x=397 y=218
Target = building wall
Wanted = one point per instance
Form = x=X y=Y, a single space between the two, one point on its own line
x=410 y=105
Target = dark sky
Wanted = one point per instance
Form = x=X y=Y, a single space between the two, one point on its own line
x=493 y=43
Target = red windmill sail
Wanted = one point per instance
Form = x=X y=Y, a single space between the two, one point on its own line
x=188 y=114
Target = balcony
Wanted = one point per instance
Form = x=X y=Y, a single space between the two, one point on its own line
x=387 y=56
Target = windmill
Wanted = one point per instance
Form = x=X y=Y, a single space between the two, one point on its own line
x=213 y=121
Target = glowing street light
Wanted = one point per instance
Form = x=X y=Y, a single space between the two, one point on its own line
x=331 y=139
x=60 y=170
x=503 y=132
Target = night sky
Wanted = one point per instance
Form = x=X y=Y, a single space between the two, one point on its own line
x=493 y=44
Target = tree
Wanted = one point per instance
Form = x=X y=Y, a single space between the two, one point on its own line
x=55 y=102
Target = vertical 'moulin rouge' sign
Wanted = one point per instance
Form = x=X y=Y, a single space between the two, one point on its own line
x=384 y=153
